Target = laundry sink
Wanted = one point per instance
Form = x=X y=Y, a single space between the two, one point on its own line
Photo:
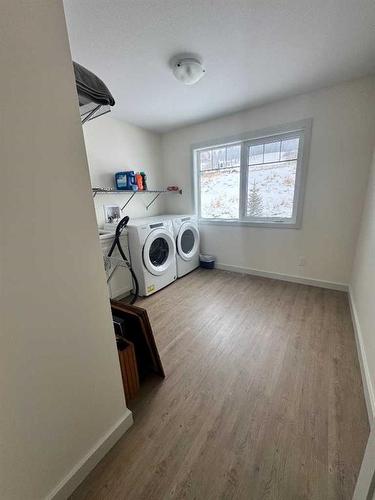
x=105 y=234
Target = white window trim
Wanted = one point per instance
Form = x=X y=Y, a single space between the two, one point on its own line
x=303 y=127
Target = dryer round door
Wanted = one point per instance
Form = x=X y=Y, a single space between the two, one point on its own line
x=188 y=241
x=159 y=251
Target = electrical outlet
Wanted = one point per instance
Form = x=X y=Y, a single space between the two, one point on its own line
x=302 y=262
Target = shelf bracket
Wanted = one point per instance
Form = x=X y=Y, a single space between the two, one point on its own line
x=152 y=201
x=128 y=201
x=89 y=115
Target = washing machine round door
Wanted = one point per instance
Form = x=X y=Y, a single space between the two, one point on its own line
x=188 y=241
x=159 y=251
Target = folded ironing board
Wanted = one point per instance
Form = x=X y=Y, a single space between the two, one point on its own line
x=93 y=95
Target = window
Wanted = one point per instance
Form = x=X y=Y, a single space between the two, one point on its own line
x=254 y=181
x=219 y=182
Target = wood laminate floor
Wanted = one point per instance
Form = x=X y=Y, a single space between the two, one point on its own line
x=263 y=397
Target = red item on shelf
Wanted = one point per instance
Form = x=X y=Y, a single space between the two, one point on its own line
x=139 y=181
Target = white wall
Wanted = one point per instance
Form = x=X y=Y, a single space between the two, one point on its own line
x=341 y=148
x=362 y=290
x=113 y=146
x=61 y=390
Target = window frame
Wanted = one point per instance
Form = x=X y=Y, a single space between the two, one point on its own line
x=303 y=130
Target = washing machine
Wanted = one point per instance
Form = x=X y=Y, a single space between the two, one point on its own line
x=186 y=233
x=152 y=253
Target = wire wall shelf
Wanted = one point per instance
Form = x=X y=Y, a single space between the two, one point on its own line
x=155 y=192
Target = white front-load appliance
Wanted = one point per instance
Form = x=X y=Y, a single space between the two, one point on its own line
x=186 y=233
x=152 y=253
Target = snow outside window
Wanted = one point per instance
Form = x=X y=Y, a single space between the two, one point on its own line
x=219 y=179
x=271 y=178
x=256 y=182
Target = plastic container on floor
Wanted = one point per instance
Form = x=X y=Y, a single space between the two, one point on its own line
x=207 y=261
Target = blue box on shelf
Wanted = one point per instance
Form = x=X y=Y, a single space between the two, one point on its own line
x=125 y=181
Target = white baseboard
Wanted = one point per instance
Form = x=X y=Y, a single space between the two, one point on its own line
x=284 y=277
x=79 y=472
x=365 y=372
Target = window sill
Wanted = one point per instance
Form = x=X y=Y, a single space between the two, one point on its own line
x=239 y=223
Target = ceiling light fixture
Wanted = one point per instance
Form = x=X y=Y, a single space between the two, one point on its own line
x=188 y=70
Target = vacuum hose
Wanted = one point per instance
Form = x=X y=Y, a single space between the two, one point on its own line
x=116 y=242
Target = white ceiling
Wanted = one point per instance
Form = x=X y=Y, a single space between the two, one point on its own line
x=254 y=51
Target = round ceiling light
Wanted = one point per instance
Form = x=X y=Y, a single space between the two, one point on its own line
x=188 y=70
